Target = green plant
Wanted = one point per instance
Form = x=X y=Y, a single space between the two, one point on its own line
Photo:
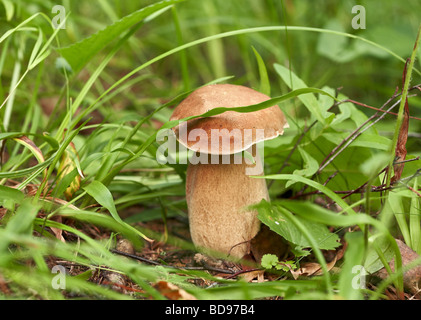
x=80 y=109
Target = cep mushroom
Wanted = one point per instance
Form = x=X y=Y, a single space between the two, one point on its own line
x=217 y=193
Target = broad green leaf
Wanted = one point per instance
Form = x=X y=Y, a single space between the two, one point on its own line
x=345 y=109
x=273 y=217
x=309 y=100
x=9 y=197
x=373 y=262
x=80 y=53
x=366 y=140
x=335 y=47
x=269 y=261
x=22 y=221
x=310 y=166
x=373 y=165
x=325 y=102
x=8 y=193
x=104 y=197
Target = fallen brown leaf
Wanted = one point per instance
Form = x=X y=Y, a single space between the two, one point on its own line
x=251 y=275
x=58 y=232
x=172 y=292
x=312 y=268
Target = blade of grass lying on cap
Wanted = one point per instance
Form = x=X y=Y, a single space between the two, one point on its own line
x=216 y=111
x=225 y=35
x=135 y=155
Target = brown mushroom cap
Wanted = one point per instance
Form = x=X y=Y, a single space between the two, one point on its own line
x=242 y=129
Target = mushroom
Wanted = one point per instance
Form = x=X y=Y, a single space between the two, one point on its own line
x=218 y=193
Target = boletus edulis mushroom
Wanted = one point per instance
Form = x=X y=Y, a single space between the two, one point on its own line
x=218 y=185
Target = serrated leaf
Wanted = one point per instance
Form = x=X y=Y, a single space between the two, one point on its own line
x=269 y=261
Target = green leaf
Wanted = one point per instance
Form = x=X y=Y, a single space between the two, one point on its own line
x=272 y=215
x=264 y=78
x=80 y=53
x=335 y=47
x=103 y=196
x=22 y=221
x=9 y=8
x=310 y=166
x=105 y=221
x=7 y=193
x=247 y=109
x=372 y=166
x=309 y=100
x=373 y=262
x=395 y=205
x=269 y=261
x=366 y=140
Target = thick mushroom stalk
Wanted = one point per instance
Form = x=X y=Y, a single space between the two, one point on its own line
x=219 y=187
x=216 y=195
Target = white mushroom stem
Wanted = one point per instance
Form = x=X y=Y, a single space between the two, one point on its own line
x=216 y=196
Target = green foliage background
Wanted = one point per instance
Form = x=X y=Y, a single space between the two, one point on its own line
x=91 y=98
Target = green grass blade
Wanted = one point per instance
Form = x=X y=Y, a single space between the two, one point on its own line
x=352 y=267
x=264 y=78
x=415 y=221
x=79 y=54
